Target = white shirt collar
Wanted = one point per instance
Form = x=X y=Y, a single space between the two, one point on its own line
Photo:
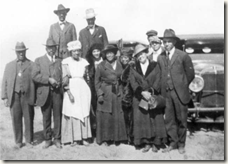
x=171 y=52
x=49 y=57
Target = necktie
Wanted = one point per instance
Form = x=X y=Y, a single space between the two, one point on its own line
x=167 y=58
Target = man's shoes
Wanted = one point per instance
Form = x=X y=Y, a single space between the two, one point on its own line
x=29 y=145
x=18 y=146
x=146 y=148
x=181 y=150
x=47 y=144
x=57 y=144
x=84 y=142
x=154 y=149
x=168 y=149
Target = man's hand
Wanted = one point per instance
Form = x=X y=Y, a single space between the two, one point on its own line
x=71 y=97
x=65 y=81
x=100 y=99
x=6 y=103
x=52 y=81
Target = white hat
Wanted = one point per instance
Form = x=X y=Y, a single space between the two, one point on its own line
x=74 y=45
x=90 y=13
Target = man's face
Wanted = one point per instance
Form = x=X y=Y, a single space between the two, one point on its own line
x=91 y=22
x=155 y=45
x=62 y=15
x=76 y=53
x=169 y=43
x=150 y=39
x=21 y=55
x=51 y=50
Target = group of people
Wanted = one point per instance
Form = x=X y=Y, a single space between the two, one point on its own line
x=138 y=98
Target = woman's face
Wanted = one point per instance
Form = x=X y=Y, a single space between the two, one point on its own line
x=110 y=56
x=124 y=60
x=142 y=57
x=96 y=53
x=76 y=53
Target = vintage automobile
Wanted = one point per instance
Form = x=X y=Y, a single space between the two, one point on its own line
x=208 y=87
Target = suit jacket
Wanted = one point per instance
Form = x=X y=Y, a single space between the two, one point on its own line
x=182 y=74
x=106 y=80
x=87 y=40
x=40 y=75
x=62 y=37
x=9 y=79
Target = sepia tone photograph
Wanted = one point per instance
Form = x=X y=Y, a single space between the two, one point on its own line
x=112 y=80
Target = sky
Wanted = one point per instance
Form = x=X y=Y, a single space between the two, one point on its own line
x=29 y=21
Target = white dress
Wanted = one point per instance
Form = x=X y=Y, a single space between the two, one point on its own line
x=76 y=126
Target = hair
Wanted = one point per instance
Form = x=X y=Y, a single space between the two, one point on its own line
x=89 y=56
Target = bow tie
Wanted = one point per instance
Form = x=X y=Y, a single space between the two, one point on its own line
x=63 y=23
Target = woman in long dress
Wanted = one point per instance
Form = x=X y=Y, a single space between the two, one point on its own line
x=110 y=117
x=94 y=58
x=148 y=125
x=77 y=98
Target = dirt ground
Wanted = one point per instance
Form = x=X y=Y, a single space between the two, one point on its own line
x=201 y=145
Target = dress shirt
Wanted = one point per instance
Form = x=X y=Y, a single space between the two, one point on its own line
x=171 y=52
x=91 y=30
x=156 y=53
x=62 y=24
x=49 y=57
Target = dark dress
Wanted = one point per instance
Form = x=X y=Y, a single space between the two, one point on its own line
x=110 y=118
x=148 y=126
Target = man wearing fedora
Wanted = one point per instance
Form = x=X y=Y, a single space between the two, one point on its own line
x=62 y=32
x=177 y=72
x=18 y=93
x=92 y=33
x=47 y=75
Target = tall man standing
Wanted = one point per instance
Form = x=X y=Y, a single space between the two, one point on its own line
x=177 y=72
x=62 y=32
x=47 y=75
x=92 y=33
x=18 y=93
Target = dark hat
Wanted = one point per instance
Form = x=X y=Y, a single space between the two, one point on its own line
x=110 y=48
x=97 y=46
x=152 y=33
x=50 y=43
x=127 y=53
x=169 y=33
x=139 y=48
x=20 y=46
x=61 y=8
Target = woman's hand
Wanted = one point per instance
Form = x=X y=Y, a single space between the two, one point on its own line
x=71 y=97
x=146 y=95
x=100 y=99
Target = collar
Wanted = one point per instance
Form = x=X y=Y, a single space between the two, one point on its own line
x=49 y=57
x=171 y=52
x=91 y=28
x=159 y=51
x=62 y=22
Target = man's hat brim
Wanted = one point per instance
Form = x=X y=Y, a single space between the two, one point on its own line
x=20 y=49
x=162 y=38
x=57 y=11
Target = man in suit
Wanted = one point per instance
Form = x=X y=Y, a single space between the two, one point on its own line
x=47 y=75
x=62 y=32
x=92 y=33
x=18 y=93
x=177 y=72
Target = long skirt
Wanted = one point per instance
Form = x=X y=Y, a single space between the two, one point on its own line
x=74 y=129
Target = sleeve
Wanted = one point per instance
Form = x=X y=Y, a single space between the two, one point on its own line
x=4 y=84
x=188 y=68
x=74 y=33
x=105 y=38
x=37 y=76
x=137 y=89
x=98 y=81
x=157 y=83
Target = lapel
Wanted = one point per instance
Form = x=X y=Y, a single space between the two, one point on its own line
x=45 y=63
x=67 y=25
x=163 y=55
x=150 y=68
x=138 y=68
x=57 y=27
x=95 y=31
x=174 y=57
x=108 y=66
x=25 y=65
x=14 y=72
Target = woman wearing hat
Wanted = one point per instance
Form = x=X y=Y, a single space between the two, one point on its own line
x=77 y=98
x=110 y=118
x=148 y=125
x=94 y=58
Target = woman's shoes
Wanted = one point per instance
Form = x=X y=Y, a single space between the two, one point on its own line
x=154 y=149
x=85 y=143
x=146 y=148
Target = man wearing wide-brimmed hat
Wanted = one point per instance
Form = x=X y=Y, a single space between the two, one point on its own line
x=18 y=93
x=47 y=74
x=92 y=33
x=177 y=72
x=62 y=32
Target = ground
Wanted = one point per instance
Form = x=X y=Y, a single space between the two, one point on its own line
x=201 y=145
